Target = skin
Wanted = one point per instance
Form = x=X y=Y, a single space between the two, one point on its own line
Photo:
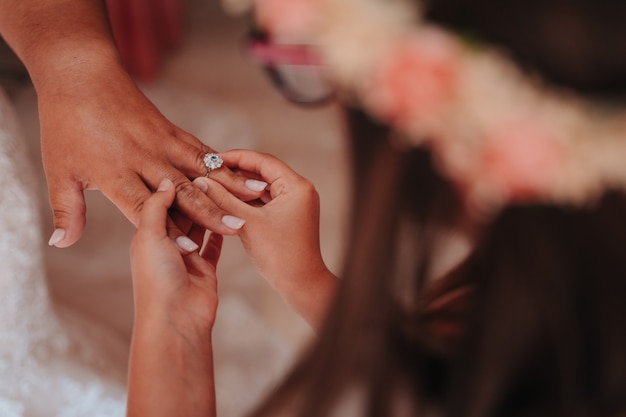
x=175 y=305
x=282 y=235
x=176 y=290
x=98 y=130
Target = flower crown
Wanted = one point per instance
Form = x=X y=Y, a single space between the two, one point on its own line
x=500 y=135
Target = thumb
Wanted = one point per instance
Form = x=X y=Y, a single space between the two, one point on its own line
x=68 y=210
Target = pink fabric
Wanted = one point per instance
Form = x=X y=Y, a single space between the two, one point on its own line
x=145 y=30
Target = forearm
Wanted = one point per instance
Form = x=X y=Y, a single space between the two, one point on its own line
x=60 y=41
x=170 y=371
x=311 y=295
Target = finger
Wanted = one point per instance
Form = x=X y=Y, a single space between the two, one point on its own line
x=129 y=193
x=279 y=175
x=155 y=221
x=213 y=249
x=181 y=221
x=189 y=159
x=187 y=154
x=154 y=214
x=189 y=200
x=184 y=242
x=68 y=211
x=203 y=210
x=267 y=166
x=236 y=211
x=196 y=233
x=243 y=187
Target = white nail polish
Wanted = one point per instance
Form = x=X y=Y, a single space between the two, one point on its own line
x=186 y=244
x=56 y=237
x=233 y=222
x=256 y=185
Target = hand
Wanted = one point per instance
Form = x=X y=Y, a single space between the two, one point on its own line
x=171 y=360
x=167 y=280
x=282 y=235
x=98 y=131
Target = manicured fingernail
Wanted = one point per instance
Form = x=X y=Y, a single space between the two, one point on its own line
x=164 y=185
x=201 y=184
x=256 y=185
x=233 y=222
x=186 y=244
x=56 y=237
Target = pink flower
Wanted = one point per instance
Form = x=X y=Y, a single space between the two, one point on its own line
x=521 y=159
x=415 y=80
x=291 y=18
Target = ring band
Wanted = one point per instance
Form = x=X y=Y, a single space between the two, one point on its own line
x=212 y=161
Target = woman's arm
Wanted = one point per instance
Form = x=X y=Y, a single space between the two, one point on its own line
x=59 y=40
x=282 y=235
x=170 y=371
x=98 y=130
x=175 y=294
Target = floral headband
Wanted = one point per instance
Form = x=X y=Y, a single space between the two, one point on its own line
x=500 y=135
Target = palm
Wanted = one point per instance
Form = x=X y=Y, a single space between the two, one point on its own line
x=166 y=280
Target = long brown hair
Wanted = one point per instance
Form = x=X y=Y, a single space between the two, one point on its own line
x=528 y=325
x=376 y=336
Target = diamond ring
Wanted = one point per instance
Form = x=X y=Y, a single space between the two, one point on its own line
x=212 y=161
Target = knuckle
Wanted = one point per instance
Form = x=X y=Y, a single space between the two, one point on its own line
x=135 y=204
x=203 y=206
x=213 y=207
x=219 y=199
x=62 y=213
x=185 y=190
x=307 y=188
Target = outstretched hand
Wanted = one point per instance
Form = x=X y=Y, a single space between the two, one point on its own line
x=105 y=134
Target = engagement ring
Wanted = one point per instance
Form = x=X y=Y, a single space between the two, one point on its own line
x=212 y=161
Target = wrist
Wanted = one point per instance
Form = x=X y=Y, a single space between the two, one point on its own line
x=171 y=371
x=76 y=65
x=311 y=295
x=54 y=39
x=160 y=318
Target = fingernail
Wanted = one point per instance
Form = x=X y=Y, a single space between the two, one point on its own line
x=164 y=185
x=256 y=185
x=56 y=237
x=186 y=244
x=233 y=222
x=201 y=184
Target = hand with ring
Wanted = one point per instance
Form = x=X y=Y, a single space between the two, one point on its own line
x=123 y=146
x=98 y=130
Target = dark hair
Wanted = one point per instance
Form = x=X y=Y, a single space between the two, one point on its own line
x=528 y=325
x=546 y=336
x=377 y=335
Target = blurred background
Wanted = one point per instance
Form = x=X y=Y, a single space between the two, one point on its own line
x=199 y=77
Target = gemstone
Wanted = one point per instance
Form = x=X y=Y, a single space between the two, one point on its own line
x=212 y=161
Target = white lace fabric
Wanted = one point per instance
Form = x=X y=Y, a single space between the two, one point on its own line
x=53 y=361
